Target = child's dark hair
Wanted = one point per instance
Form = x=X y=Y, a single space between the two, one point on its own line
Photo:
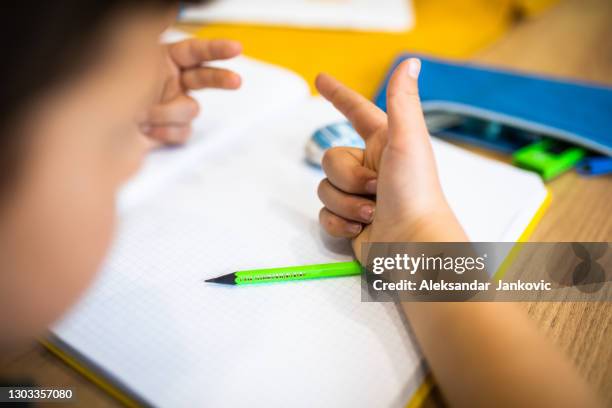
x=46 y=42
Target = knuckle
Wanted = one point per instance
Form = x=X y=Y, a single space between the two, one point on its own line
x=324 y=218
x=414 y=97
x=177 y=136
x=192 y=79
x=355 y=181
x=321 y=214
x=328 y=221
x=335 y=93
x=217 y=77
x=352 y=207
x=403 y=96
x=328 y=159
x=185 y=133
x=321 y=189
x=354 y=107
x=194 y=107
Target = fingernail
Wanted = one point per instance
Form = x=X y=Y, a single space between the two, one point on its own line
x=370 y=186
x=366 y=212
x=354 y=228
x=414 y=67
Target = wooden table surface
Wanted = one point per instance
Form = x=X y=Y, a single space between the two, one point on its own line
x=572 y=39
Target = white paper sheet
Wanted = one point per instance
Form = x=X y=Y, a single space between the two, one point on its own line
x=376 y=15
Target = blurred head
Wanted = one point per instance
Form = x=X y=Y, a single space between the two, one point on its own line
x=75 y=75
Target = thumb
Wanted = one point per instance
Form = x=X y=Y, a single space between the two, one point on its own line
x=408 y=180
x=407 y=130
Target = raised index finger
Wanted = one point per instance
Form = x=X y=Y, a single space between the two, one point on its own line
x=193 y=52
x=366 y=117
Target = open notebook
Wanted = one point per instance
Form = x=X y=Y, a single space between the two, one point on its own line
x=240 y=195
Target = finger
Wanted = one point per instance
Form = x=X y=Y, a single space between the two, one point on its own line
x=363 y=114
x=193 y=52
x=169 y=135
x=406 y=120
x=337 y=226
x=177 y=112
x=208 y=77
x=348 y=206
x=344 y=169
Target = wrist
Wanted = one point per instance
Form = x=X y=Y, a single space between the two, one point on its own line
x=437 y=226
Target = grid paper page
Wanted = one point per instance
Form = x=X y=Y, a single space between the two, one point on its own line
x=176 y=341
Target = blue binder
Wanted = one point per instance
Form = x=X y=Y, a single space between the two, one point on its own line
x=576 y=112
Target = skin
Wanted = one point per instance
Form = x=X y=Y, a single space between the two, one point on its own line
x=84 y=139
x=169 y=120
x=481 y=354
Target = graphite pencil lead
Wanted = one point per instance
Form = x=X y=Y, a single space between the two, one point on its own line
x=229 y=279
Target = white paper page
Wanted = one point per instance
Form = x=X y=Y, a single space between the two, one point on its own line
x=494 y=201
x=377 y=15
x=176 y=341
x=267 y=91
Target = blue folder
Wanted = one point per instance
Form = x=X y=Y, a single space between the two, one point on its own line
x=576 y=112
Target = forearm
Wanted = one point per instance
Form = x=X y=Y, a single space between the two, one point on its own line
x=489 y=354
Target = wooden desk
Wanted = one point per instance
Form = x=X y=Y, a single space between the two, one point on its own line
x=571 y=40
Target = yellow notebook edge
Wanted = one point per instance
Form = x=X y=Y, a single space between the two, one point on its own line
x=528 y=232
x=94 y=375
x=416 y=401
x=516 y=248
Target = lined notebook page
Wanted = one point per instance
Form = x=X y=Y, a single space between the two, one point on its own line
x=151 y=321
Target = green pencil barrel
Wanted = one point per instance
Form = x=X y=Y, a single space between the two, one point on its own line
x=293 y=273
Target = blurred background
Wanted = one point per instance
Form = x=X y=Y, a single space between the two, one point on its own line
x=356 y=40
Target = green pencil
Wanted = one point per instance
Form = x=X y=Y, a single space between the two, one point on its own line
x=291 y=273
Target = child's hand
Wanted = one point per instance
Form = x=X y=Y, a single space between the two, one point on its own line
x=390 y=191
x=169 y=120
x=398 y=166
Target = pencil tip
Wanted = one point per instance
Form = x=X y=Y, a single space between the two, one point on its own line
x=229 y=279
